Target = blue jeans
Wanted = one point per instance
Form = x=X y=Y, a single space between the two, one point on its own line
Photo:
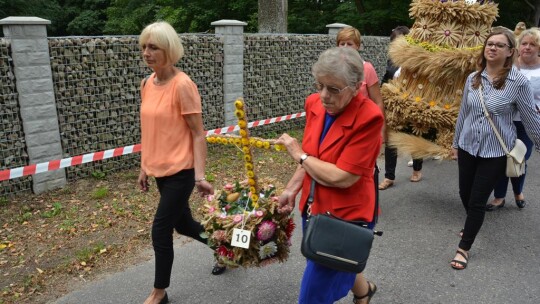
x=517 y=182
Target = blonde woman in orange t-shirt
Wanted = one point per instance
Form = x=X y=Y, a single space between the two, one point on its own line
x=173 y=147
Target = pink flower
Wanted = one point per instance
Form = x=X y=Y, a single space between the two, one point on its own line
x=237 y=218
x=220 y=235
x=270 y=186
x=210 y=197
x=211 y=210
x=223 y=216
x=228 y=187
x=266 y=230
x=259 y=213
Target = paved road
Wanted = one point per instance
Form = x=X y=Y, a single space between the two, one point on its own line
x=410 y=263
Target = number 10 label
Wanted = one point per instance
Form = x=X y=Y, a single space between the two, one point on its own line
x=240 y=238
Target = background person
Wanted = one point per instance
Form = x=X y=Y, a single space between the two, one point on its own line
x=528 y=64
x=341 y=142
x=173 y=147
x=481 y=159
x=350 y=37
x=390 y=153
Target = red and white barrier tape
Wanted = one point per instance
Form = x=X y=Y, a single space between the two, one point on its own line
x=95 y=156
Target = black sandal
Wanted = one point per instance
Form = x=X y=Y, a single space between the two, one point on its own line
x=218 y=269
x=463 y=264
x=372 y=289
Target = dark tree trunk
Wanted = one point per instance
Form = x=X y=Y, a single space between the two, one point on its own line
x=360 y=6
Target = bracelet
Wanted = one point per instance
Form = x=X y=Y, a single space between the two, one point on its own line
x=200 y=179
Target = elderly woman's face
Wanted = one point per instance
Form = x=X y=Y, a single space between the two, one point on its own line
x=335 y=94
x=153 y=55
x=529 y=50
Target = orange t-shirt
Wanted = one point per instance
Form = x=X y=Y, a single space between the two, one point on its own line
x=370 y=78
x=166 y=142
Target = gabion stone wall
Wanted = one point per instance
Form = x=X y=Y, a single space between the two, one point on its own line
x=375 y=50
x=277 y=77
x=12 y=143
x=277 y=74
x=97 y=81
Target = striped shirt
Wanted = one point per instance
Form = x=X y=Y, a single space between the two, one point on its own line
x=473 y=132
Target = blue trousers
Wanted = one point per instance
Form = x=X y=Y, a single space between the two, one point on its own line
x=322 y=285
x=517 y=182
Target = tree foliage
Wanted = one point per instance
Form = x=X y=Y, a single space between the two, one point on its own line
x=128 y=17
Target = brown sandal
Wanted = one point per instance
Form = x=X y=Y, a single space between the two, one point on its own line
x=372 y=289
x=385 y=184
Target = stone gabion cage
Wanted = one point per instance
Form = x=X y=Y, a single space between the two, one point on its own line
x=97 y=80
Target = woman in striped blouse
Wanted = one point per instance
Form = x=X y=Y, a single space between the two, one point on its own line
x=481 y=159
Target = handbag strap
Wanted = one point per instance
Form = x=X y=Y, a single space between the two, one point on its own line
x=486 y=113
x=311 y=196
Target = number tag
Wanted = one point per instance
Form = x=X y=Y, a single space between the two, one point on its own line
x=240 y=238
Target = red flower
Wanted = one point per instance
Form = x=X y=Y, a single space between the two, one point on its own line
x=222 y=250
x=290 y=228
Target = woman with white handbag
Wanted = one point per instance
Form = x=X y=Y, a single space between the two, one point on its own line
x=500 y=90
x=528 y=64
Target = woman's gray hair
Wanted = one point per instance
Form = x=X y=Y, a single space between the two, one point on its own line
x=341 y=62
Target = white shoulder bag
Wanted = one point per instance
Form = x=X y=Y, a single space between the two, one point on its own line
x=515 y=159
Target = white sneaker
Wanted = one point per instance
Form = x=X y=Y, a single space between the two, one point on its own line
x=409 y=164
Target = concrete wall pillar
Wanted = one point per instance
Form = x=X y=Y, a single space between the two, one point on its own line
x=32 y=69
x=232 y=32
x=334 y=28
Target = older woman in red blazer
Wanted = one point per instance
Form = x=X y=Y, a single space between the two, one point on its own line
x=342 y=139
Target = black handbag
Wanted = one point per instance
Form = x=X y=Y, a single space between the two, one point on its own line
x=336 y=243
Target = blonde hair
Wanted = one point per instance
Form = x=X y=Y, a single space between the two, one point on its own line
x=349 y=33
x=533 y=32
x=166 y=38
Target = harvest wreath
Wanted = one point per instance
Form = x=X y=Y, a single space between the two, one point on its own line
x=241 y=221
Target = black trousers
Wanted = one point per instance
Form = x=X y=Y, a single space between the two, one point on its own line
x=390 y=162
x=173 y=212
x=477 y=177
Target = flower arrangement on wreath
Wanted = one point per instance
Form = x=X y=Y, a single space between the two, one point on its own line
x=248 y=207
x=234 y=207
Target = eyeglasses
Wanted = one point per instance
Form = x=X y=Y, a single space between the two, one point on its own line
x=332 y=90
x=499 y=45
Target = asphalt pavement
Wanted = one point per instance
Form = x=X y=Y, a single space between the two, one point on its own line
x=409 y=263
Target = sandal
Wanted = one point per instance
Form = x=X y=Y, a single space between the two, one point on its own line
x=385 y=184
x=416 y=176
x=372 y=289
x=218 y=269
x=460 y=265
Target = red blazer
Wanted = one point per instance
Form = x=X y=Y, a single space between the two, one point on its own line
x=353 y=143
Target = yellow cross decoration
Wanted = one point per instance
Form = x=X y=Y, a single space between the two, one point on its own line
x=246 y=142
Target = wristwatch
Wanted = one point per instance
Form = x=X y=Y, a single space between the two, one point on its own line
x=303 y=157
